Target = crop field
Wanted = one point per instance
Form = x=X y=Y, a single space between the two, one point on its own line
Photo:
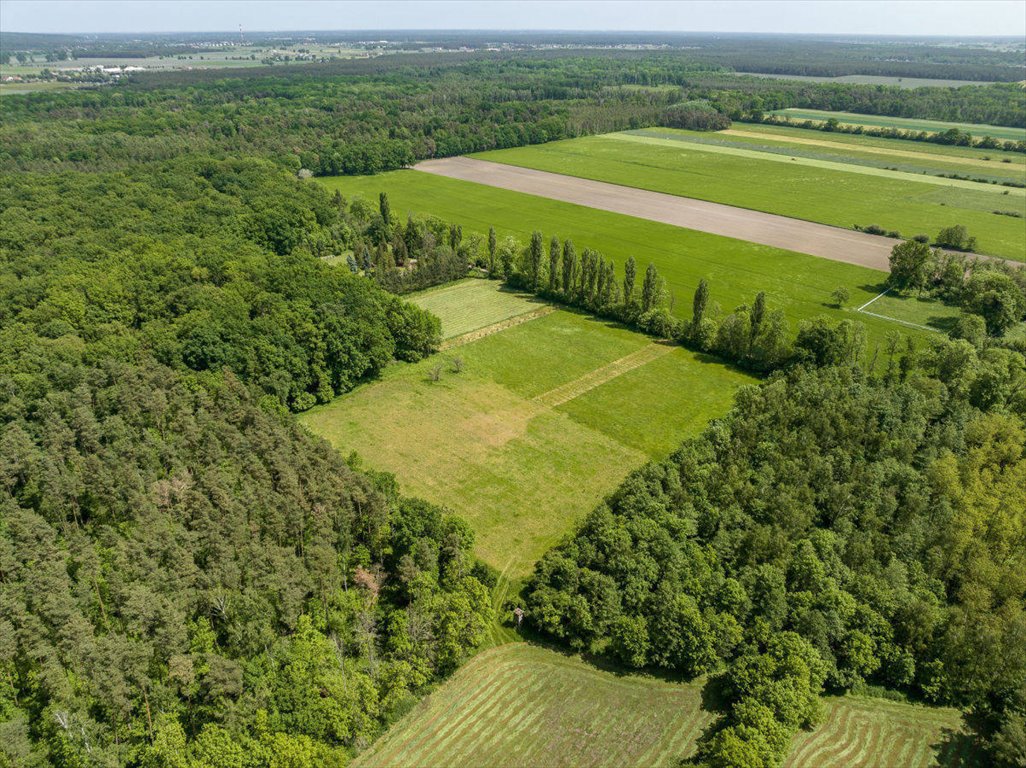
x=907 y=124
x=798 y=284
x=470 y=305
x=735 y=171
x=998 y=161
x=571 y=403
x=519 y=705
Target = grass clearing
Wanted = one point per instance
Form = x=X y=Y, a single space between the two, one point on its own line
x=519 y=704
x=798 y=284
x=903 y=123
x=522 y=469
x=688 y=166
x=470 y=305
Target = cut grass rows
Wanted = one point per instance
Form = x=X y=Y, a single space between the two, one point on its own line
x=523 y=705
x=468 y=306
x=519 y=704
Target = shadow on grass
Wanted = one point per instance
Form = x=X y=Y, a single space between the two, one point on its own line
x=957 y=749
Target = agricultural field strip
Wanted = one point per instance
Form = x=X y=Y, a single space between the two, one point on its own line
x=829 y=165
x=807 y=237
x=589 y=381
x=902 y=123
x=502 y=325
x=862 y=148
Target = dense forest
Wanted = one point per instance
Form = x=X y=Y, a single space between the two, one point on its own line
x=366 y=116
x=186 y=576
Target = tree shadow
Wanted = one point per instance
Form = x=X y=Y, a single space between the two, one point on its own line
x=957 y=749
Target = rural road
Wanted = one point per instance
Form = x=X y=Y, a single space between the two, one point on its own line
x=715 y=218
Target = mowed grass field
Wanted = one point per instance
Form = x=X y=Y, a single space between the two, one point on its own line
x=803 y=182
x=546 y=418
x=904 y=123
x=470 y=305
x=798 y=284
x=521 y=705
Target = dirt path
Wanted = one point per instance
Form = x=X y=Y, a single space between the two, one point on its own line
x=865 y=148
x=488 y=330
x=715 y=218
x=587 y=382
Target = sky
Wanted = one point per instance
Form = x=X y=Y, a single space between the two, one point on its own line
x=899 y=17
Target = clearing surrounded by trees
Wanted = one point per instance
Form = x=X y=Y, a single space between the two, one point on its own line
x=535 y=400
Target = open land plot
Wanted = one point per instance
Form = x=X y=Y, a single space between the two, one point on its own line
x=903 y=123
x=803 y=189
x=521 y=705
x=798 y=284
x=535 y=430
x=470 y=305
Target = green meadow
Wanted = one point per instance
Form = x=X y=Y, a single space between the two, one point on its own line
x=542 y=420
x=826 y=191
x=903 y=123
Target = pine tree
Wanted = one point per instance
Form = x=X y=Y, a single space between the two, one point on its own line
x=385 y=208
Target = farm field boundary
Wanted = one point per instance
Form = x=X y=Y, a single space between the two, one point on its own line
x=902 y=123
x=863 y=148
x=829 y=165
x=807 y=237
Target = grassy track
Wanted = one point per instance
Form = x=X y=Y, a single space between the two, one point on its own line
x=796 y=283
x=689 y=165
x=470 y=305
x=907 y=124
x=520 y=705
x=494 y=443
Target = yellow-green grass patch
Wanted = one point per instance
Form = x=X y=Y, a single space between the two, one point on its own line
x=483 y=443
x=520 y=705
x=469 y=305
